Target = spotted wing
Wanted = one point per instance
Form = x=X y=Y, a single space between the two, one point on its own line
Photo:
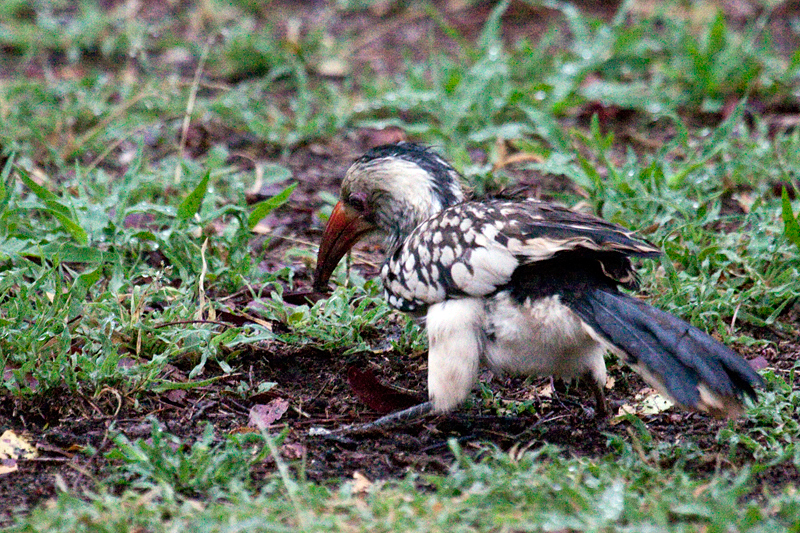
x=474 y=249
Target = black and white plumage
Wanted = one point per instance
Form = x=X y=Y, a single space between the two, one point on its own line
x=525 y=287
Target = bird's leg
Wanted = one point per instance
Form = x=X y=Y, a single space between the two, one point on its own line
x=601 y=405
x=558 y=385
x=392 y=419
x=455 y=343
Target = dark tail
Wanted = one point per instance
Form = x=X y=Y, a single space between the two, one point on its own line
x=697 y=371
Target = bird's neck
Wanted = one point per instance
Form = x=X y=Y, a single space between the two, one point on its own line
x=400 y=214
x=402 y=219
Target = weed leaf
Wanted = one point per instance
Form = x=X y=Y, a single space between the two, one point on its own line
x=85 y=281
x=262 y=209
x=713 y=146
x=490 y=36
x=60 y=212
x=37 y=189
x=69 y=225
x=547 y=127
x=191 y=204
x=71 y=253
x=5 y=185
x=791 y=225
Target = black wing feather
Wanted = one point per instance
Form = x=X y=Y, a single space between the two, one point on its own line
x=677 y=354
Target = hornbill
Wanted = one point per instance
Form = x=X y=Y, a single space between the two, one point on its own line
x=523 y=286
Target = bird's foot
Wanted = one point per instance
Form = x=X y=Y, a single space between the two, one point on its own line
x=397 y=418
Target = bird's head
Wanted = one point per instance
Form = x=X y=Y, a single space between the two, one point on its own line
x=391 y=189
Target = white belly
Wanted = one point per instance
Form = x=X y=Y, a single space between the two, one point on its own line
x=542 y=339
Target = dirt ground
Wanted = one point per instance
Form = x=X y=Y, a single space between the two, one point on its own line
x=328 y=389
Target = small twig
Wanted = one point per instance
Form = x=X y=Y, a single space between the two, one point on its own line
x=300 y=412
x=184 y=322
x=258 y=182
x=187 y=117
x=348 y=265
x=103 y=124
x=202 y=407
x=294 y=240
x=637 y=446
x=236 y=406
x=200 y=283
x=49 y=459
x=116 y=394
x=82 y=471
x=94 y=406
x=438 y=445
x=733 y=320
x=216 y=86
x=111 y=147
x=361 y=258
x=323 y=388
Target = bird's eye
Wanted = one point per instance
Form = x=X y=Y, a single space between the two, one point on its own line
x=358 y=202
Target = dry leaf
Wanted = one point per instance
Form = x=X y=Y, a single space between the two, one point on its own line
x=176 y=395
x=625 y=409
x=262 y=416
x=545 y=391
x=649 y=402
x=654 y=403
x=375 y=394
x=262 y=228
x=293 y=450
x=13 y=447
x=759 y=363
x=361 y=483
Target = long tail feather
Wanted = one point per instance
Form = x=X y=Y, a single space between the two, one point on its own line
x=693 y=368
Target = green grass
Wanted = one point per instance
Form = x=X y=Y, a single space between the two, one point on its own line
x=541 y=490
x=90 y=201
